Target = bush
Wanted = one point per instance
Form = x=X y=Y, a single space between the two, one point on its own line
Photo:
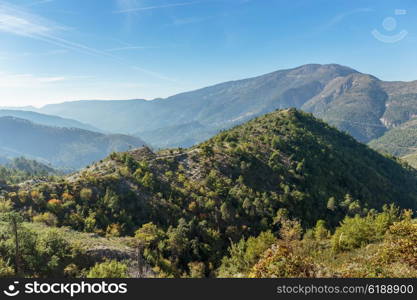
x=290 y=230
x=108 y=269
x=113 y=230
x=197 y=269
x=402 y=242
x=148 y=235
x=243 y=255
x=5 y=269
x=86 y=194
x=280 y=261
x=320 y=231
x=53 y=253
x=355 y=232
x=47 y=218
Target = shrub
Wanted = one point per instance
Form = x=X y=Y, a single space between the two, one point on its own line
x=279 y=261
x=148 y=235
x=320 y=231
x=53 y=253
x=5 y=269
x=402 y=242
x=47 y=218
x=90 y=222
x=108 y=269
x=86 y=194
x=197 y=269
x=113 y=230
x=243 y=255
x=355 y=232
x=290 y=230
x=5 y=205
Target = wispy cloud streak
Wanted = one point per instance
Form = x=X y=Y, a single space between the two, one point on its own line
x=26 y=80
x=340 y=17
x=130 y=48
x=137 y=9
x=14 y=20
x=39 y=2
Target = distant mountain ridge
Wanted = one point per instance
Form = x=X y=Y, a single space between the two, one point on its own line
x=216 y=107
x=360 y=104
x=44 y=119
x=70 y=148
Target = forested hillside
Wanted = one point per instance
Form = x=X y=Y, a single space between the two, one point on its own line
x=285 y=170
x=20 y=169
x=400 y=141
x=69 y=148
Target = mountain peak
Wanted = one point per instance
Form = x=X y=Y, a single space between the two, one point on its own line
x=337 y=69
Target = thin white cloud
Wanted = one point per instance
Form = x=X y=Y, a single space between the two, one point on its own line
x=126 y=4
x=191 y=20
x=14 y=20
x=17 y=55
x=39 y=2
x=26 y=80
x=129 y=48
x=154 y=74
x=340 y=17
x=17 y=22
x=137 y=9
x=50 y=79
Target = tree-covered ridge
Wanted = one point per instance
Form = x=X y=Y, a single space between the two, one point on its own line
x=31 y=166
x=400 y=141
x=397 y=141
x=21 y=169
x=70 y=148
x=186 y=206
x=400 y=109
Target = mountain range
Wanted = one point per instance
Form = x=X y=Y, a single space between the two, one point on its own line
x=47 y=120
x=373 y=111
x=358 y=103
x=68 y=148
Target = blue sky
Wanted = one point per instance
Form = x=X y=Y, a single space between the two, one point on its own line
x=60 y=50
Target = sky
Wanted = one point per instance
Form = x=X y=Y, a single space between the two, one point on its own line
x=62 y=50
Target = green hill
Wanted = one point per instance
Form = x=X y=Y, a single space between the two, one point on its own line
x=237 y=184
x=20 y=169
